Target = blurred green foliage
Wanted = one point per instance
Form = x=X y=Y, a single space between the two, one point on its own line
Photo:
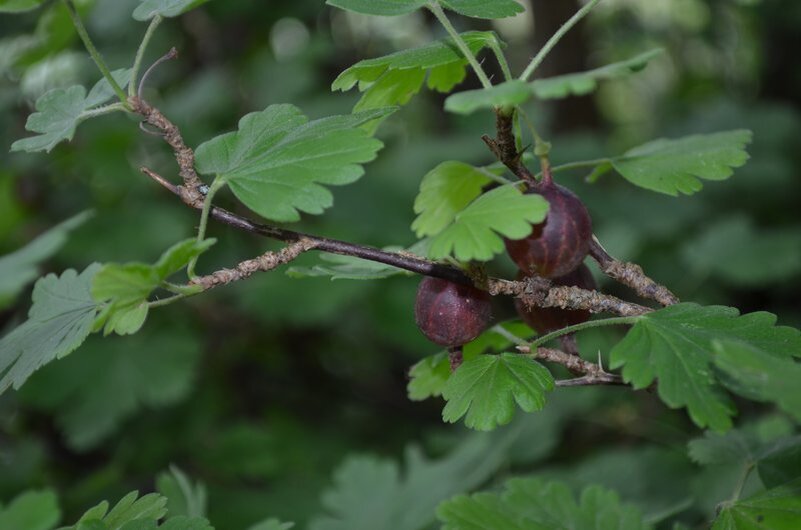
x=265 y=390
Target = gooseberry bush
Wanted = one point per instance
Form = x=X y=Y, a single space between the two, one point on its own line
x=279 y=165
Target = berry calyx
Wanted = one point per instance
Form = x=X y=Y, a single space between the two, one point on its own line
x=451 y=314
x=547 y=319
x=560 y=243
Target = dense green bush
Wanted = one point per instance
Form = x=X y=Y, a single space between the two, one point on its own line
x=165 y=366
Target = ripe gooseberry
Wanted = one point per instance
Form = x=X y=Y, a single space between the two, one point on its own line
x=451 y=314
x=560 y=243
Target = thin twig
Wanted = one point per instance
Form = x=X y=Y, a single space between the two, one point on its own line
x=266 y=262
x=632 y=275
x=593 y=374
x=504 y=147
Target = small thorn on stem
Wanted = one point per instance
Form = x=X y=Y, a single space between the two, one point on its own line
x=172 y=54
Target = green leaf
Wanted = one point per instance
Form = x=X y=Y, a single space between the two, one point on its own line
x=165 y=8
x=93 y=392
x=125 y=288
x=712 y=254
x=477 y=231
x=59 y=320
x=485 y=389
x=762 y=374
x=32 y=510
x=19 y=268
x=774 y=509
x=371 y=493
x=444 y=192
x=394 y=79
x=277 y=160
x=151 y=507
x=507 y=94
x=581 y=83
x=675 y=166
x=61 y=110
x=19 y=6
x=428 y=376
x=532 y=504
x=676 y=345
x=385 y=8
x=484 y=8
x=183 y=497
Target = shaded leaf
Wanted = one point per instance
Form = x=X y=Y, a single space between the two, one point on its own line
x=762 y=374
x=484 y=390
x=92 y=392
x=19 y=268
x=581 y=83
x=676 y=345
x=183 y=497
x=532 y=504
x=675 y=166
x=744 y=264
x=165 y=8
x=19 y=6
x=507 y=94
x=272 y=524
x=59 y=320
x=371 y=493
x=477 y=232
x=31 y=510
x=277 y=161
x=61 y=110
x=378 y=7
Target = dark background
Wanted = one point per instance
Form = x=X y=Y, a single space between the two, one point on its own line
x=262 y=389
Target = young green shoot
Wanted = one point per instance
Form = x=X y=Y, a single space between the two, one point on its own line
x=436 y=9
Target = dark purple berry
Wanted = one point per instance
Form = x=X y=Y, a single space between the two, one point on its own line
x=547 y=319
x=560 y=243
x=450 y=314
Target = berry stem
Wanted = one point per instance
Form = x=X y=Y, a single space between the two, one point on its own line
x=455 y=357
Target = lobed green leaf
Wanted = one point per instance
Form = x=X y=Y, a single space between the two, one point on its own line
x=477 y=232
x=277 y=161
x=677 y=345
x=59 y=320
x=395 y=78
x=582 y=83
x=125 y=288
x=61 y=110
x=485 y=389
x=428 y=376
x=676 y=166
x=774 y=509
